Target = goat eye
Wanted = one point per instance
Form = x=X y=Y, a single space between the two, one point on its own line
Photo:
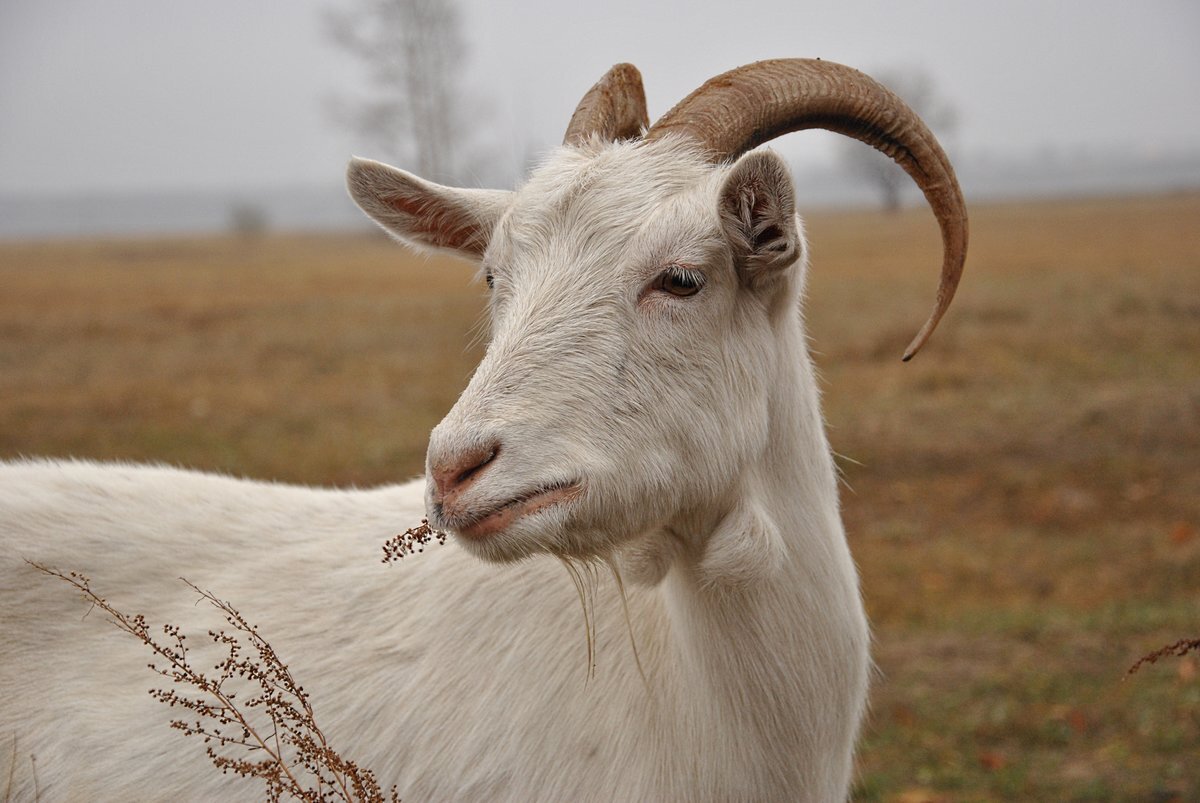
x=491 y=281
x=679 y=281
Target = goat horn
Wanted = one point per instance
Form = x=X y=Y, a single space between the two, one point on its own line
x=743 y=108
x=615 y=108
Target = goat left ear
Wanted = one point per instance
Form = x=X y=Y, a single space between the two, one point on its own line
x=758 y=215
x=423 y=213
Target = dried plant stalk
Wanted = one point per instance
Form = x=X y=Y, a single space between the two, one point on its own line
x=411 y=540
x=1178 y=649
x=275 y=720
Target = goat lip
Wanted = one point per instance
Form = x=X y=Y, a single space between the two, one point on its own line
x=504 y=514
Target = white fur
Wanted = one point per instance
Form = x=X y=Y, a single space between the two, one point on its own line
x=693 y=431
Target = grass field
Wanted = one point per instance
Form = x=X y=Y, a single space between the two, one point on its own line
x=1023 y=498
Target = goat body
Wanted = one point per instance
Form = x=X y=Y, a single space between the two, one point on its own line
x=454 y=678
x=646 y=405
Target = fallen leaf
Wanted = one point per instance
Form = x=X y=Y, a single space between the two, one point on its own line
x=1077 y=720
x=1187 y=669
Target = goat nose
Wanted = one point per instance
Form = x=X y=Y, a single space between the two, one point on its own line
x=455 y=472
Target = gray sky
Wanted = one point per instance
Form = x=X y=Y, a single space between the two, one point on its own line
x=146 y=94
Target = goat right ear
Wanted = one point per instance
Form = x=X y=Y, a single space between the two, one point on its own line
x=758 y=214
x=425 y=214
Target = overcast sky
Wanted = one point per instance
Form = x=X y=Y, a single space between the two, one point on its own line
x=147 y=94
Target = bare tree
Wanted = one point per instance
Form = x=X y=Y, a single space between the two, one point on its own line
x=917 y=89
x=413 y=52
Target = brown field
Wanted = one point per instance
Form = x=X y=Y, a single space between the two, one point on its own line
x=1023 y=498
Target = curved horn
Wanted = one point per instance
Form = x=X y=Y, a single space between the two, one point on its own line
x=744 y=108
x=615 y=108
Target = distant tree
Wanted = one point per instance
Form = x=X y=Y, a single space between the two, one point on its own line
x=248 y=220
x=413 y=52
x=917 y=89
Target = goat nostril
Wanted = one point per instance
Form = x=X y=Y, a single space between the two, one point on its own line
x=471 y=471
x=456 y=471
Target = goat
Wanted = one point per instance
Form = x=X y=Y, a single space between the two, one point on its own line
x=646 y=401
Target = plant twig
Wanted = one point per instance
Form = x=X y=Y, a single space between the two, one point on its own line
x=274 y=719
x=411 y=540
x=1178 y=649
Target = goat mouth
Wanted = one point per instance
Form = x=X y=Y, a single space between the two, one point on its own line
x=501 y=516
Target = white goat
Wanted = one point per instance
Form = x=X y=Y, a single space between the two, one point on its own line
x=646 y=400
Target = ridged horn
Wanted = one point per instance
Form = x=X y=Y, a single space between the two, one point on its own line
x=743 y=108
x=615 y=108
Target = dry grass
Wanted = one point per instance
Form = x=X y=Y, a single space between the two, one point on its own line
x=318 y=359
x=254 y=719
x=1026 y=493
x=1026 y=496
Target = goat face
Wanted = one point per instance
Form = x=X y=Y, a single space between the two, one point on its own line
x=641 y=295
x=636 y=293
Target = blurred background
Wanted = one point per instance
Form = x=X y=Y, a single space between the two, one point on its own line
x=132 y=116
x=182 y=279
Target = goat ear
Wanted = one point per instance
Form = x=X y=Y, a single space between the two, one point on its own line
x=758 y=215
x=423 y=213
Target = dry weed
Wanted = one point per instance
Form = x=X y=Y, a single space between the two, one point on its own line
x=249 y=700
x=411 y=540
x=1178 y=649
